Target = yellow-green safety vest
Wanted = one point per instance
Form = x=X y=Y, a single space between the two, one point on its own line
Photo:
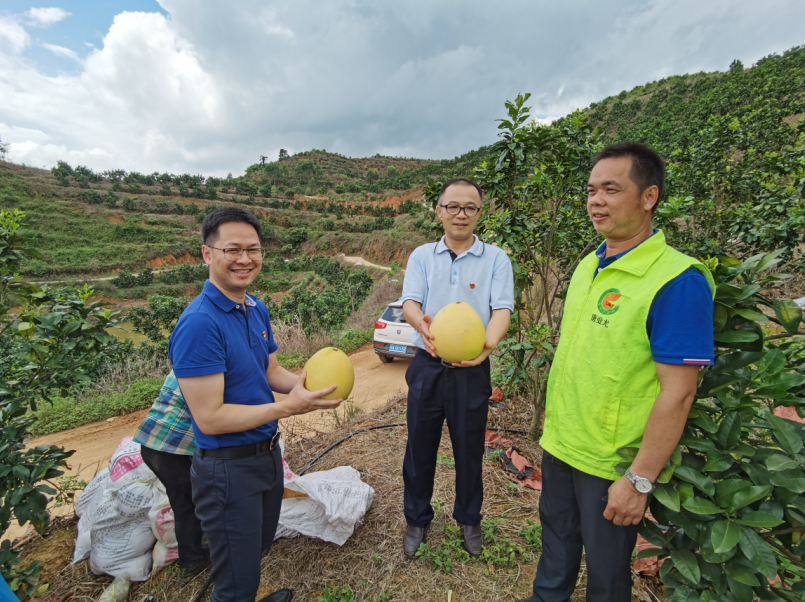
x=603 y=381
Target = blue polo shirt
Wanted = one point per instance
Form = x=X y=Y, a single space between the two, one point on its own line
x=215 y=334
x=680 y=320
x=481 y=276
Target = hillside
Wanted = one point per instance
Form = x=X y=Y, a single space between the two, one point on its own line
x=735 y=146
x=320 y=172
x=86 y=223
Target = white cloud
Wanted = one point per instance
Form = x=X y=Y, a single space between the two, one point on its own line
x=45 y=17
x=214 y=85
x=268 y=19
x=62 y=51
x=13 y=38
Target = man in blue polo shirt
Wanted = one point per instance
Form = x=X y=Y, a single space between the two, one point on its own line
x=224 y=356
x=457 y=268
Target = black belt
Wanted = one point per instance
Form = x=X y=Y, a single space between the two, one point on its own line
x=438 y=360
x=241 y=451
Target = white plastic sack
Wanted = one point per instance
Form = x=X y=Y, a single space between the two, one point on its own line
x=337 y=501
x=87 y=508
x=115 y=530
x=126 y=465
x=163 y=526
x=121 y=544
x=92 y=493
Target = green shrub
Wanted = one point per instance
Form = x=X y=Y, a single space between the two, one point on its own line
x=93 y=197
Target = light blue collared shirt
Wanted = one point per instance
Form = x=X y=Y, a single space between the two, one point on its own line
x=481 y=276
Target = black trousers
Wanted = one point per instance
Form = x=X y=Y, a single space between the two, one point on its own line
x=238 y=503
x=460 y=395
x=571 y=510
x=173 y=470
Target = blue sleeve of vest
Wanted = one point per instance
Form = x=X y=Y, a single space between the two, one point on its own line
x=680 y=321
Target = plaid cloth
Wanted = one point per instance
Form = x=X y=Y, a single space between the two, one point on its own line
x=167 y=427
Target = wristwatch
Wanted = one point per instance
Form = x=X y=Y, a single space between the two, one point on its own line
x=642 y=484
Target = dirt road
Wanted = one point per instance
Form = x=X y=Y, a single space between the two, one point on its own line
x=375 y=383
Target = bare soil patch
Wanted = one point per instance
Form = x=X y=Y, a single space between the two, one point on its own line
x=158 y=262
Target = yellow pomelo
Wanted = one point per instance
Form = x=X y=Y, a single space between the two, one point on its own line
x=458 y=332
x=328 y=367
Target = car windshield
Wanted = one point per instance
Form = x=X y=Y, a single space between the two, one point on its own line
x=394 y=314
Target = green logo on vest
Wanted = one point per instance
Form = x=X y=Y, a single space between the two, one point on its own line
x=608 y=303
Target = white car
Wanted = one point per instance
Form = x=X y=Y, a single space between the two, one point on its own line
x=393 y=334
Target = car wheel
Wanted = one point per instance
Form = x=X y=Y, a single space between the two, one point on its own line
x=386 y=359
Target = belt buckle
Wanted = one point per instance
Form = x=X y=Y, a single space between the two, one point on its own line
x=446 y=364
x=274 y=440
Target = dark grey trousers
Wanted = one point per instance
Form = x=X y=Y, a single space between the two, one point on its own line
x=571 y=510
x=238 y=503
x=459 y=396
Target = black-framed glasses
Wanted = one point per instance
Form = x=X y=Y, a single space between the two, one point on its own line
x=469 y=210
x=235 y=254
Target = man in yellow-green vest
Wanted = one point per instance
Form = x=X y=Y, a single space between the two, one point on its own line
x=638 y=324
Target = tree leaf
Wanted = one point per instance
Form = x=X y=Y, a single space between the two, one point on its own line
x=735 y=361
x=717 y=462
x=786 y=433
x=706 y=423
x=725 y=536
x=793 y=480
x=751 y=314
x=772 y=362
x=668 y=496
x=759 y=553
x=694 y=477
x=741 y=574
x=729 y=431
x=628 y=453
x=760 y=520
x=748 y=496
x=735 y=336
x=685 y=562
x=699 y=505
x=788 y=313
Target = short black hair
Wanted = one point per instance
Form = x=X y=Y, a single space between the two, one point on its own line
x=462 y=182
x=224 y=215
x=648 y=168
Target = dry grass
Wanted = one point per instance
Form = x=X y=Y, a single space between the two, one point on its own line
x=121 y=374
x=291 y=338
x=371 y=563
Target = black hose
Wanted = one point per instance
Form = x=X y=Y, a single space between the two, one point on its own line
x=386 y=426
x=203 y=588
x=339 y=442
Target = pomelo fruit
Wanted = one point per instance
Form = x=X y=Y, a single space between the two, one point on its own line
x=328 y=367
x=458 y=332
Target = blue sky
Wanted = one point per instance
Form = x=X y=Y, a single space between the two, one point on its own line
x=205 y=86
x=87 y=24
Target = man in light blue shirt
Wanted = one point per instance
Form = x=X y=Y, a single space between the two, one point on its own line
x=457 y=268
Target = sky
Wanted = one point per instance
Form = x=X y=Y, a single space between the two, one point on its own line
x=203 y=86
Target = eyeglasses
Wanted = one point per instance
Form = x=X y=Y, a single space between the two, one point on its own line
x=235 y=254
x=469 y=210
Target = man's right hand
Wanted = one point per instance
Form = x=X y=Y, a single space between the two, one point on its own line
x=427 y=337
x=302 y=401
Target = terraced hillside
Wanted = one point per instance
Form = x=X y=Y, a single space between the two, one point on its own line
x=88 y=223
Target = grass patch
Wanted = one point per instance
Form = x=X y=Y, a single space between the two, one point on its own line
x=293 y=360
x=68 y=413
